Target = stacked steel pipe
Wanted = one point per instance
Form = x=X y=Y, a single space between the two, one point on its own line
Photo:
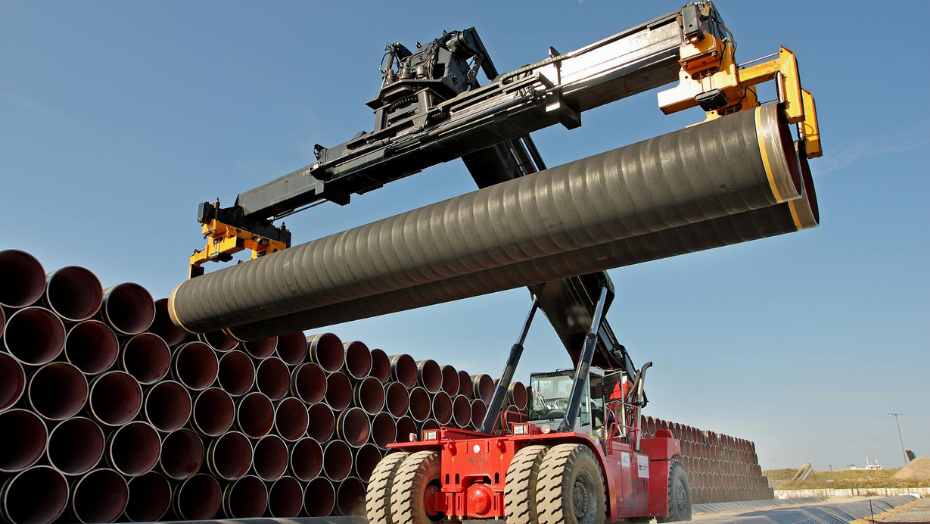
x=720 y=468
x=109 y=412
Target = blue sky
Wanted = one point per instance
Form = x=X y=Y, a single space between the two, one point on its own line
x=117 y=118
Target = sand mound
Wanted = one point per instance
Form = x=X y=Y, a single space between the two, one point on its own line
x=918 y=469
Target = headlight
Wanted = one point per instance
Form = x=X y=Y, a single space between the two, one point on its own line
x=431 y=434
x=521 y=429
x=545 y=428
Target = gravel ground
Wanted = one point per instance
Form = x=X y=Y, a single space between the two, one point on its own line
x=913 y=513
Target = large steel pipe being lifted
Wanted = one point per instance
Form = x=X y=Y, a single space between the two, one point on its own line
x=724 y=167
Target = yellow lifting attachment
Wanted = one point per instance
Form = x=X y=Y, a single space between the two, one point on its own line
x=224 y=240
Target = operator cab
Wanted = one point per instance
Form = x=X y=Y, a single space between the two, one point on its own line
x=549 y=399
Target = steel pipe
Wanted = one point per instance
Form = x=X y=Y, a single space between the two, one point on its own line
x=236 y=373
x=366 y=459
x=322 y=422
x=338 y=391
x=218 y=340
x=369 y=395
x=404 y=370
x=133 y=449
x=194 y=364
x=516 y=395
x=478 y=410
x=229 y=456
x=128 y=308
x=91 y=346
x=57 y=391
x=406 y=430
x=115 y=398
x=353 y=427
x=38 y=495
x=270 y=458
x=163 y=327
x=197 y=498
x=34 y=336
x=420 y=404
x=22 y=279
x=75 y=446
x=396 y=399
x=245 y=498
x=149 y=498
x=465 y=384
x=181 y=454
x=291 y=419
x=380 y=365
x=429 y=375
x=255 y=415
x=292 y=348
x=319 y=498
x=261 y=348
x=357 y=360
x=285 y=498
x=22 y=441
x=273 y=378
x=383 y=431
x=326 y=351
x=350 y=497
x=213 y=413
x=99 y=496
x=146 y=357
x=167 y=406
x=73 y=293
x=337 y=461
x=461 y=411
x=482 y=387
x=450 y=380
x=306 y=459
x=442 y=407
x=308 y=383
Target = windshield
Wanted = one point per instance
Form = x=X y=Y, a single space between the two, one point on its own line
x=550 y=397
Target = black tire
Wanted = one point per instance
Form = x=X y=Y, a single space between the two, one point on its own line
x=378 y=496
x=520 y=491
x=417 y=474
x=570 y=487
x=679 y=494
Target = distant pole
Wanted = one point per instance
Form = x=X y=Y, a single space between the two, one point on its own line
x=901 y=440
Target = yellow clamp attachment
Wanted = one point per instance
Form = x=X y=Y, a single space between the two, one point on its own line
x=224 y=240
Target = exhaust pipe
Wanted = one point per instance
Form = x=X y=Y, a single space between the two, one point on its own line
x=465 y=385
x=163 y=327
x=291 y=419
x=478 y=410
x=75 y=446
x=319 y=498
x=350 y=497
x=420 y=405
x=134 y=449
x=147 y=358
x=353 y=427
x=194 y=364
x=92 y=347
x=73 y=293
x=236 y=373
x=380 y=366
x=308 y=383
x=229 y=456
x=38 y=495
x=407 y=430
x=167 y=406
x=213 y=412
x=99 y=496
x=327 y=352
x=482 y=388
x=516 y=395
x=338 y=391
x=128 y=308
x=57 y=391
x=149 y=498
x=369 y=395
x=404 y=370
x=383 y=432
x=273 y=378
x=450 y=380
x=367 y=458
x=181 y=454
x=337 y=461
x=306 y=459
x=34 y=336
x=245 y=498
x=396 y=399
x=322 y=422
x=292 y=348
x=429 y=375
x=219 y=341
x=255 y=415
x=197 y=498
x=115 y=398
x=285 y=498
x=442 y=408
x=24 y=439
x=262 y=348
x=12 y=381
x=22 y=279
x=461 y=411
x=269 y=458
x=357 y=360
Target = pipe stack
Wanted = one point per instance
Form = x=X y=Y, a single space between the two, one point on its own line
x=720 y=468
x=109 y=412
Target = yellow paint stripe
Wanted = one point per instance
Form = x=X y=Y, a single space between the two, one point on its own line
x=765 y=156
x=173 y=312
x=794 y=214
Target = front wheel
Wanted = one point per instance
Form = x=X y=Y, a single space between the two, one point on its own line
x=679 y=494
x=570 y=487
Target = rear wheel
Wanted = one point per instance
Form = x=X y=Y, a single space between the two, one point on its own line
x=679 y=494
x=520 y=492
x=570 y=487
x=378 y=497
x=416 y=482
